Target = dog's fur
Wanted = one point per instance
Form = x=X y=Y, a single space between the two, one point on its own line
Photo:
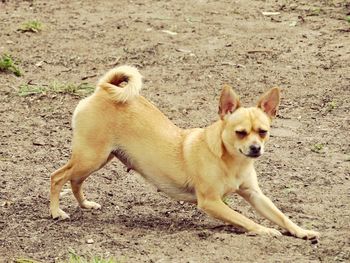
x=197 y=165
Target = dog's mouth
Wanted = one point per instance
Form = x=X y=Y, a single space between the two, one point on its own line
x=250 y=155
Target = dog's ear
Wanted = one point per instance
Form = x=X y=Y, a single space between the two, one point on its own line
x=269 y=102
x=229 y=101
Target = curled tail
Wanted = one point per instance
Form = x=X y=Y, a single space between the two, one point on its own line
x=112 y=80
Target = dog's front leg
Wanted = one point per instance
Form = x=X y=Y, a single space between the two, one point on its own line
x=252 y=193
x=216 y=208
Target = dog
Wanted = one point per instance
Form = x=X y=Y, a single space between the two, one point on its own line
x=195 y=165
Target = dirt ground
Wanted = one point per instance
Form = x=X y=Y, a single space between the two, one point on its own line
x=306 y=170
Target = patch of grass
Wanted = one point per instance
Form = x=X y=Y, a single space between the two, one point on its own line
x=348 y=19
x=31 y=26
x=7 y=64
x=80 y=89
x=331 y=105
x=75 y=258
x=317 y=148
x=56 y=87
x=316 y=11
x=27 y=90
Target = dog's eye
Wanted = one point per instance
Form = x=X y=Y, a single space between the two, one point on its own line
x=241 y=134
x=262 y=133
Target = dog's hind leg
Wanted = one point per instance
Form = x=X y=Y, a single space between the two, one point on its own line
x=85 y=160
x=77 y=181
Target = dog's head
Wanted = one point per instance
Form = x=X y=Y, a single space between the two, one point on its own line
x=246 y=130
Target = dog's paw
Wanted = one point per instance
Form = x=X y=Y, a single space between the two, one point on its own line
x=59 y=214
x=90 y=205
x=306 y=234
x=265 y=231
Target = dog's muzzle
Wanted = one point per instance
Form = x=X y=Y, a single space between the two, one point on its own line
x=254 y=151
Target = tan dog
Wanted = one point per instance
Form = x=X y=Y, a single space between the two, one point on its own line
x=197 y=165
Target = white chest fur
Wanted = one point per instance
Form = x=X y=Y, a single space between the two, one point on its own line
x=236 y=176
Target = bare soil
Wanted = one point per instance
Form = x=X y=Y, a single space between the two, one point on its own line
x=306 y=170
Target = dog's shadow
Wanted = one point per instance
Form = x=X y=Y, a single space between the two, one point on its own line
x=196 y=223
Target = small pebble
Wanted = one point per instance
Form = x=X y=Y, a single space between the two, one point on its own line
x=90 y=241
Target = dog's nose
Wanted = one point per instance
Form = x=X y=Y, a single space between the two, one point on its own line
x=254 y=149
